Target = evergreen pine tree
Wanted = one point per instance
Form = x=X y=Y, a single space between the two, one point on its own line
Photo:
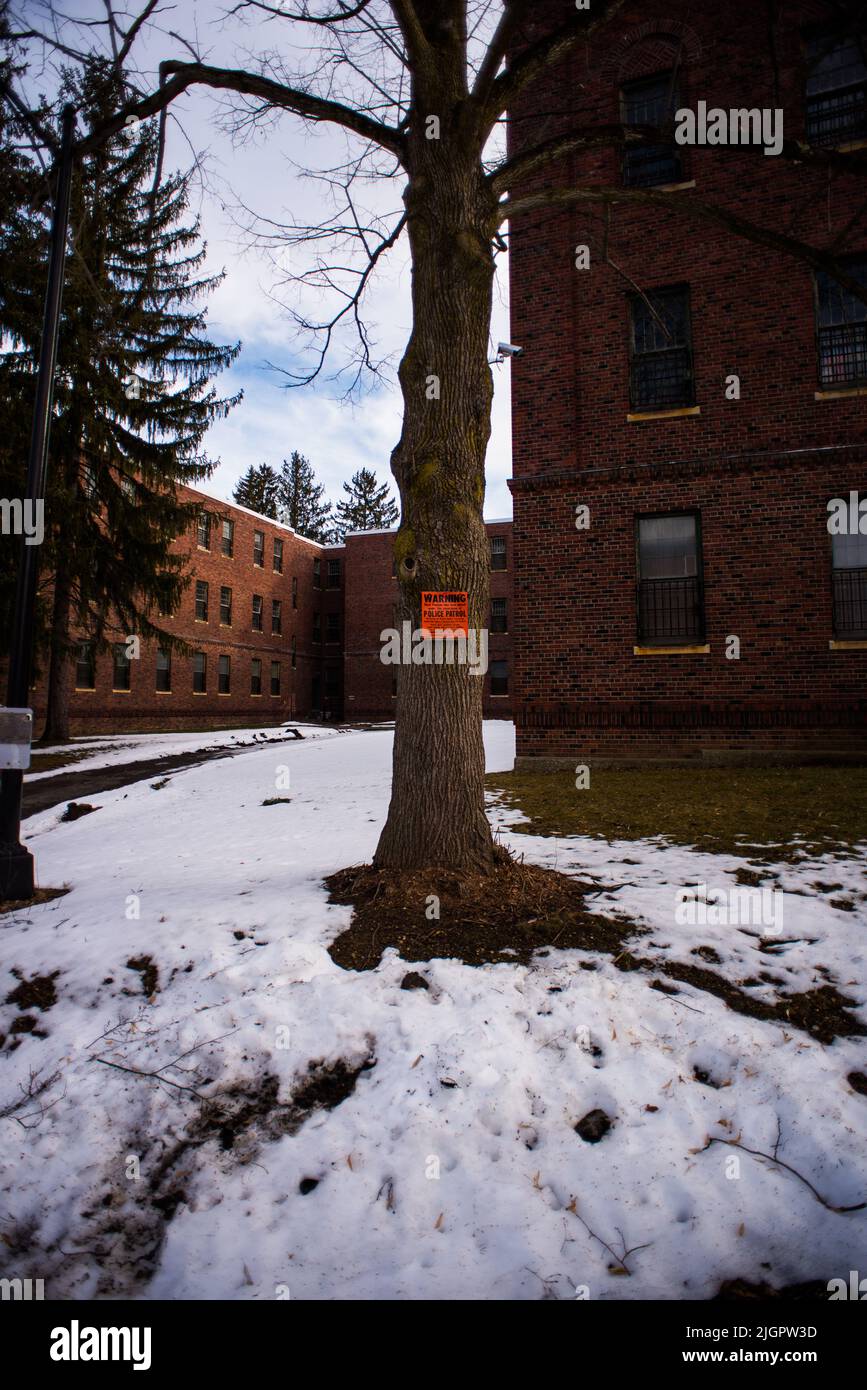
x=367 y=507
x=259 y=489
x=302 y=502
x=133 y=398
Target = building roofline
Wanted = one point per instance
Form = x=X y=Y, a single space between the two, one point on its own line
x=259 y=516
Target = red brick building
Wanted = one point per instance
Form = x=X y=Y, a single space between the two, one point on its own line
x=278 y=628
x=699 y=607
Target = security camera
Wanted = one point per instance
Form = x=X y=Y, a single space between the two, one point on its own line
x=509 y=350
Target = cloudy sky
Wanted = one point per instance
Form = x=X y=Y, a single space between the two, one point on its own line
x=262 y=173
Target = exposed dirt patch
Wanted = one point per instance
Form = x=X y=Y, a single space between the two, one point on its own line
x=149 y=971
x=76 y=809
x=820 y=1012
x=42 y=895
x=503 y=916
x=38 y=993
x=858 y=1081
x=743 y=1289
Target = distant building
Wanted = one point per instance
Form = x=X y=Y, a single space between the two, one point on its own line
x=279 y=627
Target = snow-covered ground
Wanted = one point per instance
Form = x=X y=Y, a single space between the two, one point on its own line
x=110 y=750
x=453 y=1170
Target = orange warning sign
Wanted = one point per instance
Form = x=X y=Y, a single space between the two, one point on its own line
x=445 y=612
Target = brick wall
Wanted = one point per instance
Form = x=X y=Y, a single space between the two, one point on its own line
x=759 y=471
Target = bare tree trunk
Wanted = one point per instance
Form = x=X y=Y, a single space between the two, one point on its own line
x=59 y=665
x=437 y=812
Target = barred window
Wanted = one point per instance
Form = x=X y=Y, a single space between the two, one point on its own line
x=278 y=556
x=334 y=574
x=259 y=548
x=203 y=531
x=224 y=675
x=841 y=327
x=661 y=373
x=670 y=580
x=201 y=601
x=836 y=89
x=227 y=544
x=256 y=676
x=651 y=101
x=499 y=615
x=332 y=627
x=200 y=673
x=275 y=677
x=257 y=612
x=85 y=667
x=164 y=670
x=850 y=587
x=498 y=552
x=276 y=617
x=120 y=673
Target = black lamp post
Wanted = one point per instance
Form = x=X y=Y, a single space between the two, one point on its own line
x=16 y=862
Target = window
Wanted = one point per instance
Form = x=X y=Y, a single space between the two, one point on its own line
x=275 y=677
x=294 y=653
x=332 y=683
x=670 y=586
x=498 y=552
x=128 y=488
x=651 y=101
x=259 y=548
x=276 y=617
x=334 y=574
x=294 y=591
x=224 y=675
x=203 y=531
x=200 y=673
x=120 y=673
x=660 y=374
x=278 y=556
x=226 y=606
x=88 y=481
x=317 y=574
x=850 y=587
x=256 y=676
x=257 y=612
x=499 y=678
x=201 y=601
x=85 y=667
x=841 y=327
x=332 y=627
x=317 y=627
x=836 y=90
x=499 y=618
x=227 y=544
x=164 y=670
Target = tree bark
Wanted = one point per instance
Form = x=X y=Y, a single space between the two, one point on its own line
x=59 y=665
x=437 y=811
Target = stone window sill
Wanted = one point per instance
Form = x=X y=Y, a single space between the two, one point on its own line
x=681 y=413
x=684 y=650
